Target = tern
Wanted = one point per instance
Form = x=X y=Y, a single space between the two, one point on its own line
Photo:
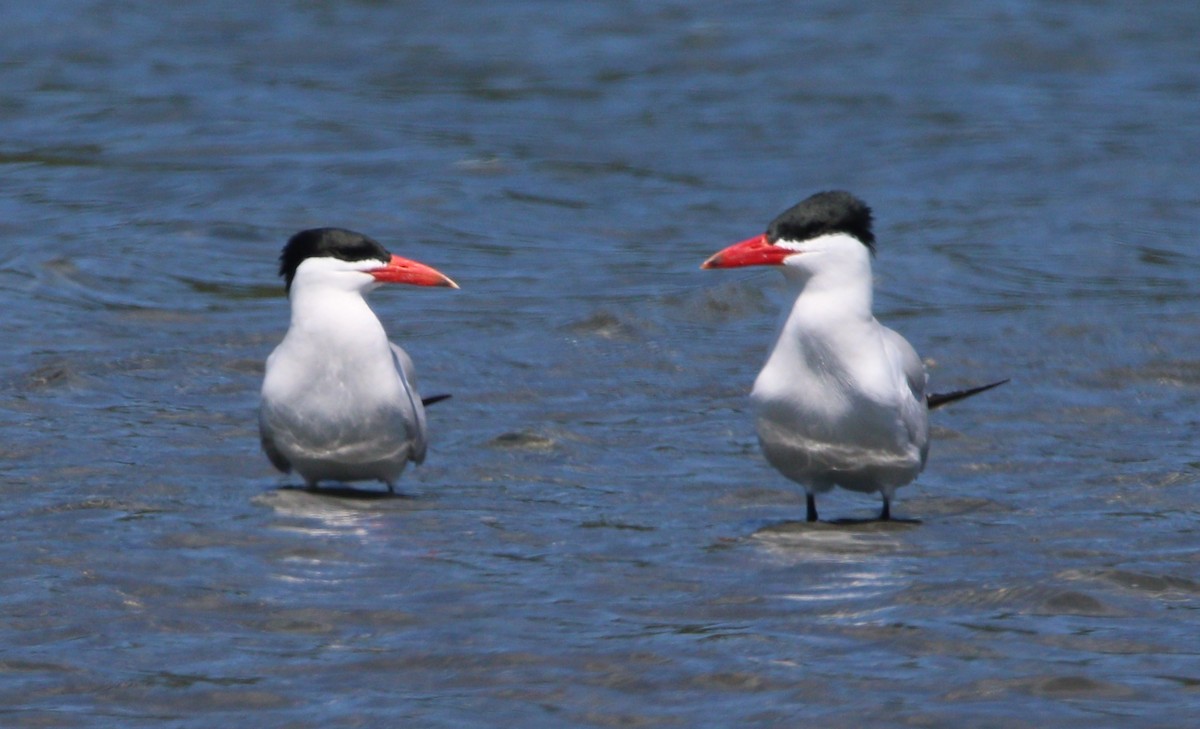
x=339 y=401
x=841 y=400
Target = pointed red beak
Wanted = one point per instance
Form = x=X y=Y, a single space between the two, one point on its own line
x=404 y=271
x=756 y=251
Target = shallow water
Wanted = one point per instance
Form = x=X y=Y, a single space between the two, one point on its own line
x=594 y=539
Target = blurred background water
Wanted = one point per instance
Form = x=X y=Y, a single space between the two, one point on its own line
x=595 y=539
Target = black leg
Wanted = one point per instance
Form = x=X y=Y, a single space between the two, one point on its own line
x=886 y=514
x=811 y=502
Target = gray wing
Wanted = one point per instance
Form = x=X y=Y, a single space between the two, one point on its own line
x=914 y=411
x=902 y=353
x=415 y=421
x=268 y=445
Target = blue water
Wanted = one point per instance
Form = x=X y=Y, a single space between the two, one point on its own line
x=594 y=539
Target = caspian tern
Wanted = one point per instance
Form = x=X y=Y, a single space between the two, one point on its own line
x=841 y=399
x=339 y=401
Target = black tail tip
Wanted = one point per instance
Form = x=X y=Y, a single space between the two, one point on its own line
x=938 y=399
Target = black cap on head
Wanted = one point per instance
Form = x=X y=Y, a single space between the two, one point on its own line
x=826 y=212
x=328 y=243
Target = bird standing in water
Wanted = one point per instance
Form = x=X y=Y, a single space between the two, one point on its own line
x=339 y=401
x=841 y=400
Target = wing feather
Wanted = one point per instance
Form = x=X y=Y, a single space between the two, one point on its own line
x=268 y=445
x=415 y=423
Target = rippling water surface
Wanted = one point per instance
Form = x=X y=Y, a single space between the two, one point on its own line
x=595 y=539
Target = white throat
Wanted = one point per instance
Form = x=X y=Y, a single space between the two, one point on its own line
x=827 y=342
x=335 y=318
